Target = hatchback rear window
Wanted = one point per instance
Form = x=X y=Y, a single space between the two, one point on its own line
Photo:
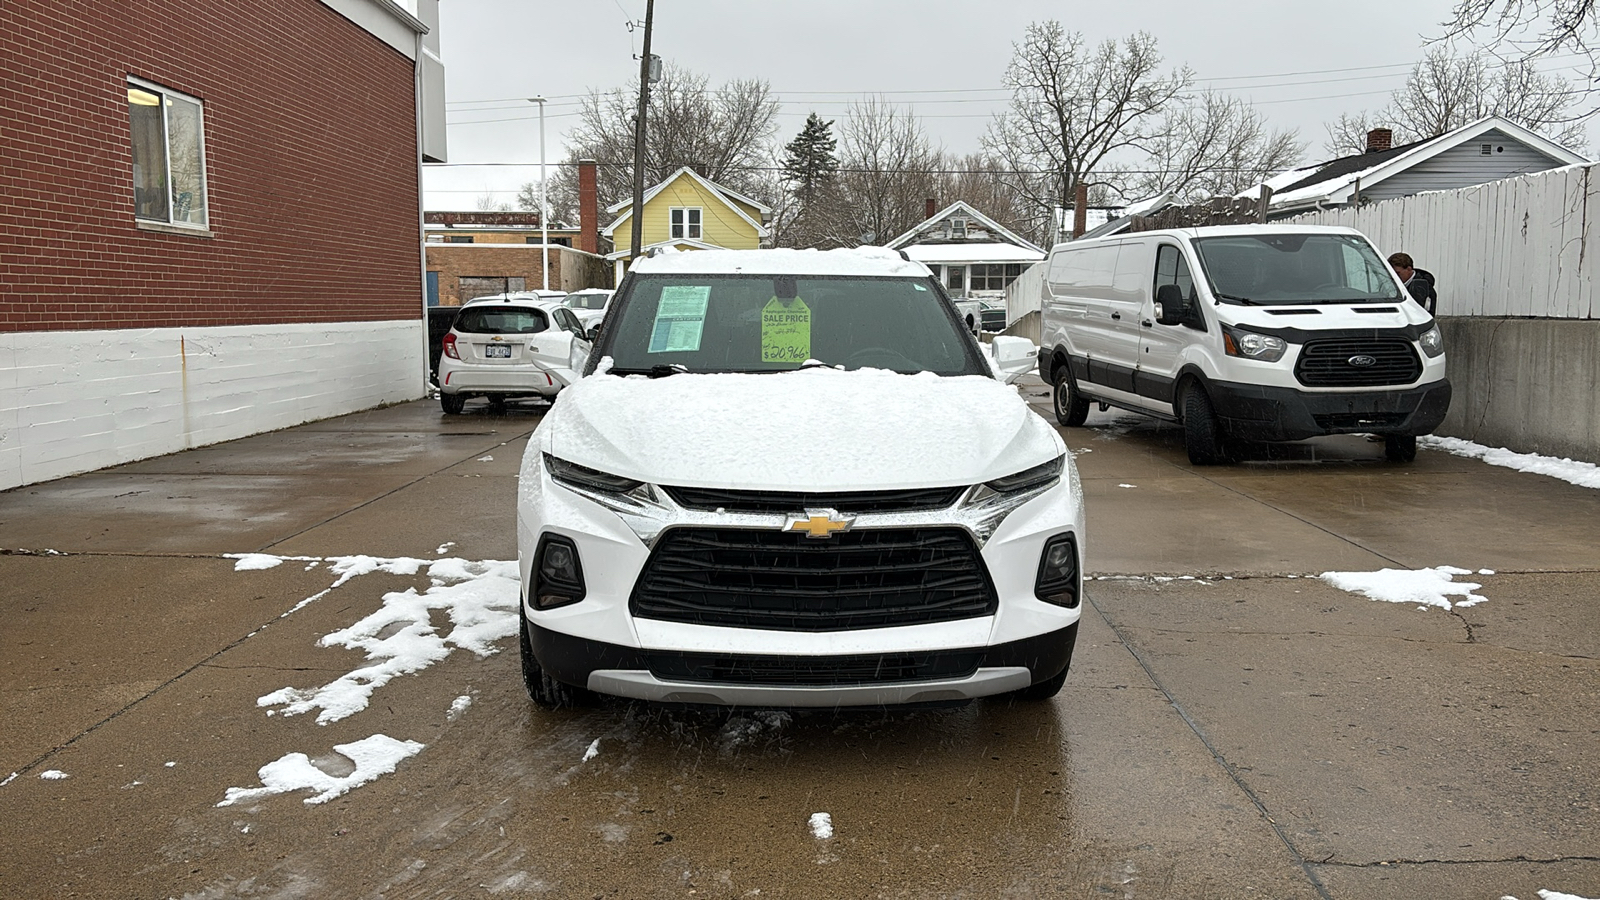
x=500 y=320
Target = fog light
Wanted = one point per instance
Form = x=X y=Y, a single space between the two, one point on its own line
x=557 y=573
x=1057 y=582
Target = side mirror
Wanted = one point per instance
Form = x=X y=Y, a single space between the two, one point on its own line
x=1171 y=308
x=591 y=334
x=1014 y=356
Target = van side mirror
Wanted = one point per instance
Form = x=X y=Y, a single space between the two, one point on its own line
x=1171 y=308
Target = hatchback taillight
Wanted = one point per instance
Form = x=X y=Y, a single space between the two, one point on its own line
x=450 y=346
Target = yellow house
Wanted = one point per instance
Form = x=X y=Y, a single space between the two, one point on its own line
x=688 y=212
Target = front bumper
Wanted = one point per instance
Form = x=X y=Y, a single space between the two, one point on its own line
x=627 y=672
x=1260 y=413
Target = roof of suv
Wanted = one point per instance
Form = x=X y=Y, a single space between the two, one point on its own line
x=860 y=261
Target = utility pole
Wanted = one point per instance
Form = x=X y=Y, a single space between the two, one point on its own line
x=544 y=209
x=638 y=136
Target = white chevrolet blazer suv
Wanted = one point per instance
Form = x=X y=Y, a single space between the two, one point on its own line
x=793 y=479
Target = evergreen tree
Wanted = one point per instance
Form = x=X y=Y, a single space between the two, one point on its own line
x=809 y=160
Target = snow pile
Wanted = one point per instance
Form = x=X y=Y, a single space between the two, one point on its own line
x=593 y=751
x=458 y=707
x=1581 y=474
x=251 y=562
x=821 y=826
x=1430 y=587
x=373 y=756
x=1550 y=895
x=53 y=775
x=480 y=598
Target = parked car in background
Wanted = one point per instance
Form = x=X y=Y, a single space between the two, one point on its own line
x=508 y=347
x=1242 y=333
x=589 y=305
x=790 y=478
x=992 y=317
x=971 y=312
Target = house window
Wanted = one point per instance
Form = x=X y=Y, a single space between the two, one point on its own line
x=685 y=222
x=958 y=228
x=169 y=156
x=458 y=239
x=955 y=280
x=994 y=276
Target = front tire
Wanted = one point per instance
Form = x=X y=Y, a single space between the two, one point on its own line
x=452 y=404
x=1072 y=408
x=1042 y=690
x=1202 y=433
x=1400 y=448
x=542 y=689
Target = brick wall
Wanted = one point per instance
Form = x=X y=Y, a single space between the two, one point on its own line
x=570 y=270
x=310 y=167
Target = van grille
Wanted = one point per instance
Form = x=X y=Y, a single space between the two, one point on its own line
x=820 y=671
x=795 y=501
x=785 y=581
x=1326 y=363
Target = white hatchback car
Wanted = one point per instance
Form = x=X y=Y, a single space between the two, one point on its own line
x=508 y=347
x=589 y=305
x=793 y=479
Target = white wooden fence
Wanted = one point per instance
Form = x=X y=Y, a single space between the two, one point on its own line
x=1521 y=247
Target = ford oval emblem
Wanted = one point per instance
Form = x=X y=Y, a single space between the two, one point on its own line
x=1362 y=361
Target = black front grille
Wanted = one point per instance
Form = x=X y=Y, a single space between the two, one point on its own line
x=795 y=501
x=819 y=671
x=786 y=581
x=1326 y=363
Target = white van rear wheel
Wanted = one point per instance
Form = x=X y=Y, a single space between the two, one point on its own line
x=1072 y=408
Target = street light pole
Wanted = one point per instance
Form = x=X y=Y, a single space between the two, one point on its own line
x=544 y=189
x=639 y=135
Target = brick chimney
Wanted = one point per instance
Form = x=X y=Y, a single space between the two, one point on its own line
x=588 y=207
x=1379 y=140
x=929 y=207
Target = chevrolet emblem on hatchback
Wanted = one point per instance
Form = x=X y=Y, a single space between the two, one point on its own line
x=819 y=523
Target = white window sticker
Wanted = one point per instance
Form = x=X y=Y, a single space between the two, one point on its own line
x=680 y=318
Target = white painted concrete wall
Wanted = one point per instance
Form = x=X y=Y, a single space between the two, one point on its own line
x=75 y=401
x=1026 y=294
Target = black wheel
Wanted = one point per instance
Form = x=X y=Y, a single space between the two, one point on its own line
x=1400 y=448
x=1072 y=408
x=452 y=404
x=1202 y=434
x=542 y=689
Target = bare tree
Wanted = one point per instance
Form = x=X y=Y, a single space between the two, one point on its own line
x=1347 y=135
x=1073 y=107
x=722 y=133
x=487 y=203
x=1534 y=27
x=886 y=170
x=1211 y=145
x=983 y=182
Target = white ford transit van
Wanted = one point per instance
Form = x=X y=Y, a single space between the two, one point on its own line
x=1242 y=333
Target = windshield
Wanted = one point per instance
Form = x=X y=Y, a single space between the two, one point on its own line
x=765 y=323
x=587 y=301
x=1293 y=269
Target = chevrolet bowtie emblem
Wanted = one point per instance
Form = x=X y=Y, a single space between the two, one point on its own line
x=819 y=523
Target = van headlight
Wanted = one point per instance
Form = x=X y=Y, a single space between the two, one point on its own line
x=1248 y=344
x=1432 y=342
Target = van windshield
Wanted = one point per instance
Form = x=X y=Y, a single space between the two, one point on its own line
x=766 y=323
x=1295 y=269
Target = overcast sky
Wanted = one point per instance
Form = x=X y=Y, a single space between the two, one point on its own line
x=1303 y=62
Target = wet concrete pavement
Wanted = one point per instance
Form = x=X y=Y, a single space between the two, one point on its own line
x=1247 y=731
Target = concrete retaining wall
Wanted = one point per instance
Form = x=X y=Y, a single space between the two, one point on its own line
x=1531 y=385
x=75 y=401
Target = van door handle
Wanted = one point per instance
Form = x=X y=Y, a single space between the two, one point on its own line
x=1116 y=315
x=1147 y=323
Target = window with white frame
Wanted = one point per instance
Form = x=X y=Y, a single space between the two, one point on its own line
x=994 y=276
x=685 y=222
x=169 y=155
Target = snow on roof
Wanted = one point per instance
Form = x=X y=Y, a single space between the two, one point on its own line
x=869 y=261
x=973 y=252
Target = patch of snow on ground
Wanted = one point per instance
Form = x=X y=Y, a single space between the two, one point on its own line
x=53 y=775
x=1430 y=587
x=1550 y=895
x=480 y=599
x=252 y=562
x=9 y=778
x=1582 y=474
x=1127 y=485
x=373 y=756
x=458 y=707
x=821 y=826
x=593 y=751
x=485 y=459
x=445 y=547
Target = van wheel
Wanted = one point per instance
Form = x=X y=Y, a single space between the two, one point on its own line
x=1202 y=435
x=452 y=404
x=1401 y=448
x=542 y=689
x=1072 y=408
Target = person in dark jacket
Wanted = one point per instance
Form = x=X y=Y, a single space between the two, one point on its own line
x=1419 y=282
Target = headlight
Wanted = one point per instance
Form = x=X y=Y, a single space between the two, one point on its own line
x=1248 y=344
x=1432 y=342
x=574 y=475
x=1038 y=476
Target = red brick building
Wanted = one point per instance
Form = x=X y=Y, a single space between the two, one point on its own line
x=209 y=220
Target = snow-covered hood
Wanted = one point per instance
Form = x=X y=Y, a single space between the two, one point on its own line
x=1326 y=316
x=812 y=430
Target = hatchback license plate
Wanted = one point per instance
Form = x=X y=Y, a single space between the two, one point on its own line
x=497 y=351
